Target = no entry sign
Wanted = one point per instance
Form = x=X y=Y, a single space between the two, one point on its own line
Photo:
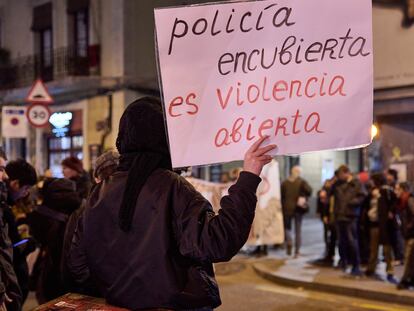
x=38 y=115
x=298 y=71
x=14 y=122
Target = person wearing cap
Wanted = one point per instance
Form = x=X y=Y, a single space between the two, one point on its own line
x=149 y=238
x=106 y=165
x=72 y=168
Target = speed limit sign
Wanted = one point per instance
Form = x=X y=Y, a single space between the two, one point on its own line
x=38 y=115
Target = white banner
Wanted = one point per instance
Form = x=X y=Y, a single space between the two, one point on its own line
x=267 y=226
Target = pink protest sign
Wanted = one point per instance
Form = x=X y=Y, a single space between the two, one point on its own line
x=298 y=71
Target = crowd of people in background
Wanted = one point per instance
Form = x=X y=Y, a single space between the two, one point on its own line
x=359 y=218
x=362 y=217
x=34 y=213
x=81 y=233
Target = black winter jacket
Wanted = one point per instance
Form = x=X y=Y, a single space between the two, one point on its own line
x=48 y=224
x=8 y=281
x=348 y=199
x=408 y=219
x=165 y=261
x=290 y=193
x=386 y=206
x=83 y=184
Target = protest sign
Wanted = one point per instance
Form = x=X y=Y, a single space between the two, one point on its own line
x=267 y=228
x=298 y=71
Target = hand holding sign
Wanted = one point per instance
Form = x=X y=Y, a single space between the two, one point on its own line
x=256 y=157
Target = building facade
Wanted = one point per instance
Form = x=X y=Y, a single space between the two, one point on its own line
x=393 y=23
x=97 y=56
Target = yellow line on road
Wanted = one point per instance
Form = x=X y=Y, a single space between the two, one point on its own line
x=326 y=298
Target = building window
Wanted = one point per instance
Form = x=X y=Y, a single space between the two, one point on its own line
x=78 y=26
x=46 y=48
x=42 y=28
x=81 y=33
x=60 y=148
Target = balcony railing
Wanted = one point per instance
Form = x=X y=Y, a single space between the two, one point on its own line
x=21 y=72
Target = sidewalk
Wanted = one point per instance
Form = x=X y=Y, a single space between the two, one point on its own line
x=302 y=273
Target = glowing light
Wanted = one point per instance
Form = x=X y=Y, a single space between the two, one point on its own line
x=60 y=119
x=374 y=131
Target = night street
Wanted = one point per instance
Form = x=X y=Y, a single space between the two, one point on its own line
x=245 y=291
x=206 y=155
x=242 y=289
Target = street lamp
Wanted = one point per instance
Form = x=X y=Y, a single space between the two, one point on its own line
x=374 y=131
x=364 y=161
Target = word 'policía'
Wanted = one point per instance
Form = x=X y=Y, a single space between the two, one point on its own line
x=239 y=21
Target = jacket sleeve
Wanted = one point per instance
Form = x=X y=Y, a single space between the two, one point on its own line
x=205 y=237
x=282 y=193
x=74 y=261
x=306 y=189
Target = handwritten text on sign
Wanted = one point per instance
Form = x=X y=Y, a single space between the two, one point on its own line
x=299 y=71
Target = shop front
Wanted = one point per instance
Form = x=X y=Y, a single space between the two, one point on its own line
x=64 y=139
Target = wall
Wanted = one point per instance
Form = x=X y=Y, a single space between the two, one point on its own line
x=139 y=31
x=312 y=164
x=112 y=39
x=393 y=48
x=16 y=23
x=397 y=141
x=60 y=24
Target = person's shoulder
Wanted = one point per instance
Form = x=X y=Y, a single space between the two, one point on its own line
x=176 y=180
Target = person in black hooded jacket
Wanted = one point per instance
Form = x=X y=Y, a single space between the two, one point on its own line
x=47 y=224
x=149 y=238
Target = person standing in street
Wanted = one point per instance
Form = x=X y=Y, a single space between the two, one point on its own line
x=397 y=240
x=348 y=195
x=47 y=225
x=380 y=216
x=149 y=238
x=295 y=192
x=325 y=210
x=406 y=206
x=72 y=169
x=10 y=294
x=21 y=178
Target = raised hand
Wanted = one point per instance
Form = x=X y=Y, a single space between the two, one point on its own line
x=256 y=157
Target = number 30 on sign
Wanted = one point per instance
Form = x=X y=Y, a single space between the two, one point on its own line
x=38 y=115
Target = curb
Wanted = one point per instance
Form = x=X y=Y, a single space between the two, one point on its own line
x=272 y=276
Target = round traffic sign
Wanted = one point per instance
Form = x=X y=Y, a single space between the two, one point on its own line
x=38 y=115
